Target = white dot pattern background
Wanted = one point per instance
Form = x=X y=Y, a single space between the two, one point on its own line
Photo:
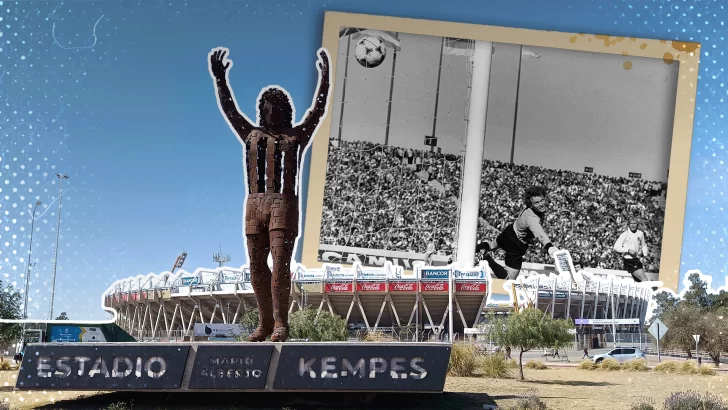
x=58 y=61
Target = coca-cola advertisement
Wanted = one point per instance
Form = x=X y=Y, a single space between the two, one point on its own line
x=434 y=287
x=339 y=287
x=370 y=287
x=403 y=286
x=465 y=287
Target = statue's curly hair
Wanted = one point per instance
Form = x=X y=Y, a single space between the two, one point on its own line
x=533 y=191
x=280 y=101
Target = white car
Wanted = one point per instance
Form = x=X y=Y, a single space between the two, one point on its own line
x=620 y=354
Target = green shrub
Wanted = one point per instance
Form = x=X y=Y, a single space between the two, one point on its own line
x=707 y=371
x=315 y=326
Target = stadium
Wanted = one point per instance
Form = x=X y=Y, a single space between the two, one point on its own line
x=392 y=212
x=409 y=306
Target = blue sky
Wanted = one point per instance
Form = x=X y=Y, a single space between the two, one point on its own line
x=129 y=112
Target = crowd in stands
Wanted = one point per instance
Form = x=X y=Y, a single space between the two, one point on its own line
x=390 y=198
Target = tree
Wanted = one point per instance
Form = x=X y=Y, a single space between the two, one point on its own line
x=683 y=321
x=697 y=293
x=530 y=329
x=9 y=309
x=713 y=331
x=63 y=316
x=666 y=302
x=306 y=324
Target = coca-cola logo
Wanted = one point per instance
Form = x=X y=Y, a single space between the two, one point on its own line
x=471 y=287
x=434 y=287
x=340 y=287
x=403 y=287
x=371 y=287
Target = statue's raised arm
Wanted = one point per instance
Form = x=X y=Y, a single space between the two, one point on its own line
x=219 y=67
x=318 y=109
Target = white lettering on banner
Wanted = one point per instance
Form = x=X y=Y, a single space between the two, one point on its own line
x=434 y=286
x=370 y=287
x=377 y=365
x=340 y=287
x=403 y=286
x=471 y=287
x=475 y=274
x=351 y=258
x=153 y=367
x=232 y=277
x=230 y=368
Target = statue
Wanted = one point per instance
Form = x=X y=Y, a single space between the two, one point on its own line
x=272 y=153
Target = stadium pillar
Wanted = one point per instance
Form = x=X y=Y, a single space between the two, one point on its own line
x=473 y=164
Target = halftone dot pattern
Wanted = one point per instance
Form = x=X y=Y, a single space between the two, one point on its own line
x=59 y=61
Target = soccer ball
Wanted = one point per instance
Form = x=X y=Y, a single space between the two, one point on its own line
x=370 y=52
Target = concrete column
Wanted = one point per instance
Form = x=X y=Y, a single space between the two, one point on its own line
x=473 y=164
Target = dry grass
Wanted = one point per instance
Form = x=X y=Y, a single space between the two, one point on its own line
x=558 y=388
x=636 y=365
x=535 y=365
x=587 y=365
x=377 y=336
x=567 y=388
x=707 y=371
x=463 y=360
x=609 y=365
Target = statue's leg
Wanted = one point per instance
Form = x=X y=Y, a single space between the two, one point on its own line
x=260 y=276
x=282 y=242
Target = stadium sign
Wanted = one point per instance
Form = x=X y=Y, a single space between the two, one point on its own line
x=477 y=274
x=368 y=257
x=217 y=329
x=373 y=274
x=470 y=287
x=371 y=286
x=337 y=273
x=243 y=366
x=190 y=280
x=355 y=366
x=232 y=277
x=118 y=366
x=314 y=367
x=310 y=275
x=633 y=321
x=402 y=286
x=434 y=287
x=339 y=287
x=434 y=273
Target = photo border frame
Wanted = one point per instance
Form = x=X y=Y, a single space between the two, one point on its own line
x=686 y=53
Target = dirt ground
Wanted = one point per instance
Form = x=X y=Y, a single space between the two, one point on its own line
x=559 y=388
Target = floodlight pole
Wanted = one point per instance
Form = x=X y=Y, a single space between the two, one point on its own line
x=58 y=235
x=27 y=269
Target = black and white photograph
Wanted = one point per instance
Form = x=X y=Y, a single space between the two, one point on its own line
x=575 y=155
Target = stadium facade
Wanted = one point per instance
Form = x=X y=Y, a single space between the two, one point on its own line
x=167 y=306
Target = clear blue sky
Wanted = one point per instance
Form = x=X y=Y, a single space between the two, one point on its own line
x=129 y=111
